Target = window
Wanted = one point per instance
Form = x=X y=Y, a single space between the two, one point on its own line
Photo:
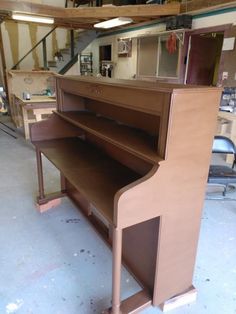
x=155 y=59
x=147 y=56
x=168 y=62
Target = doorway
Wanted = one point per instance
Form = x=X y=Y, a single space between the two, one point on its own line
x=204 y=58
x=105 y=60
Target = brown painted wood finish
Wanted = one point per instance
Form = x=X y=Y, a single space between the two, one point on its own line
x=135 y=156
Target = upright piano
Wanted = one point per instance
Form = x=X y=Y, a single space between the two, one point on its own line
x=134 y=157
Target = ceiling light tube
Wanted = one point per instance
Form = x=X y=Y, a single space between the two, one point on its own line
x=114 y=22
x=32 y=18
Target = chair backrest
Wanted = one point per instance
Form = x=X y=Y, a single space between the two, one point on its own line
x=224 y=145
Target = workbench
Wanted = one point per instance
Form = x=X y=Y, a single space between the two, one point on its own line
x=32 y=82
x=34 y=110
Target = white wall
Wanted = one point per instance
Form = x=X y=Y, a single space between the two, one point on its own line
x=214 y=20
x=58 y=3
x=74 y=70
x=48 y=2
x=125 y=67
x=20 y=36
x=19 y=42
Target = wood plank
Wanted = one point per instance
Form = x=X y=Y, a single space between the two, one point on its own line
x=94 y=174
x=132 y=140
x=68 y=17
x=125 y=11
x=91 y=12
x=37 y=99
x=134 y=304
x=73 y=24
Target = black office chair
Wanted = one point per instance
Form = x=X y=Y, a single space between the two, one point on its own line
x=220 y=175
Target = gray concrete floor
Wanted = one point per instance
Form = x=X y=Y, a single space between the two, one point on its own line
x=54 y=263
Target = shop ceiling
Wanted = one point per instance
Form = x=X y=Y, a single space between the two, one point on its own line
x=86 y=17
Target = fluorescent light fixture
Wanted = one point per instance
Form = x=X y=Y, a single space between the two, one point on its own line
x=114 y=22
x=32 y=18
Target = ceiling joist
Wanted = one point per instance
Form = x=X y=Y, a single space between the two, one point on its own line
x=85 y=17
x=124 y=11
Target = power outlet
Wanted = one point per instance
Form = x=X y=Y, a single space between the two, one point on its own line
x=225 y=75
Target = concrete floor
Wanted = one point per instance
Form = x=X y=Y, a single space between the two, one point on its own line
x=54 y=263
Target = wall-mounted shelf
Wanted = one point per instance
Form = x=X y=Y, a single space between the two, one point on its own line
x=86 y=63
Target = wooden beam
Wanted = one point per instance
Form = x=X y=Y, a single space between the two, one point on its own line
x=205 y=5
x=91 y=12
x=142 y=11
x=75 y=25
x=124 y=11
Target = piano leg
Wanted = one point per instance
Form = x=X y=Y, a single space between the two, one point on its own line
x=45 y=202
x=116 y=269
x=40 y=174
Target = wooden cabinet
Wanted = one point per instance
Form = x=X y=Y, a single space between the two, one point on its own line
x=134 y=157
x=35 y=109
x=33 y=82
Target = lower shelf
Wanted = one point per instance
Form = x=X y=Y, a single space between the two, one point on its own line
x=97 y=176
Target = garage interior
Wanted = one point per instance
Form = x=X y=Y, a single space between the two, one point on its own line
x=53 y=260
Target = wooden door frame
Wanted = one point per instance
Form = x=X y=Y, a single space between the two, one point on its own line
x=214 y=29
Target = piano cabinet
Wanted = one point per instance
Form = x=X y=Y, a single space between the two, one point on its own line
x=134 y=158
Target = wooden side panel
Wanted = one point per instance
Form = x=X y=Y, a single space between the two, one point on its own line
x=162 y=147
x=140 y=244
x=53 y=128
x=71 y=102
x=175 y=192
